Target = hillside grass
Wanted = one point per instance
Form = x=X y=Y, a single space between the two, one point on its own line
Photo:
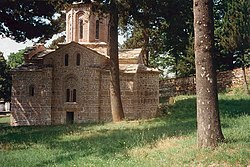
x=166 y=141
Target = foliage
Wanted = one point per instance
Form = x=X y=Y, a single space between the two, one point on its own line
x=135 y=41
x=238 y=41
x=165 y=141
x=233 y=33
x=21 y=20
x=16 y=59
x=54 y=44
x=168 y=25
x=5 y=79
x=186 y=65
x=170 y=33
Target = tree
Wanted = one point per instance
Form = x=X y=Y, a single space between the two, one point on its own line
x=54 y=44
x=168 y=26
x=135 y=40
x=186 y=64
x=115 y=93
x=235 y=34
x=113 y=9
x=225 y=58
x=209 y=131
x=21 y=20
x=5 y=79
x=16 y=59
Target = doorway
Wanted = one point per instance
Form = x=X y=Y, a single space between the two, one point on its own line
x=69 y=117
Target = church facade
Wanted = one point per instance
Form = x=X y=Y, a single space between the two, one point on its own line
x=71 y=84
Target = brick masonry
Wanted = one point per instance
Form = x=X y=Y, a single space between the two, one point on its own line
x=181 y=86
x=27 y=110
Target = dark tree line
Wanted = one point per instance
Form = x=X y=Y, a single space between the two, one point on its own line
x=5 y=79
x=171 y=40
x=21 y=20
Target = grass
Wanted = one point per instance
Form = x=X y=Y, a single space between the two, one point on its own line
x=4 y=121
x=166 y=141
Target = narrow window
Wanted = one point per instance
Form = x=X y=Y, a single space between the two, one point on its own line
x=31 y=90
x=78 y=59
x=81 y=29
x=97 y=24
x=66 y=60
x=67 y=95
x=74 y=95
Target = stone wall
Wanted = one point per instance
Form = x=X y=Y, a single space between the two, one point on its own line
x=180 y=86
x=148 y=94
x=84 y=78
x=139 y=90
x=31 y=97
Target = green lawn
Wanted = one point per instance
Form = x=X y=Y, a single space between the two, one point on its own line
x=165 y=141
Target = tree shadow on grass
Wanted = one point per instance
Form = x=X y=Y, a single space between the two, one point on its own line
x=234 y=108
x=104 y=142
x=2 y=125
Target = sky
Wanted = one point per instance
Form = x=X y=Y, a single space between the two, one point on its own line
x=8 y=45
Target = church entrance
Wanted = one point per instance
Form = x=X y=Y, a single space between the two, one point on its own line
x=69 y=117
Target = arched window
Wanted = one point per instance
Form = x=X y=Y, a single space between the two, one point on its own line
x=66 y=60
x=70 y=95
x=78 y=59
x=31 y=90
x=97 y=29
x=81 y=28
x=70 y=88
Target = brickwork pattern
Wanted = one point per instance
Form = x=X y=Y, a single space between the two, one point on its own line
x=180 y=86
x=84 y=78
x=27 y=109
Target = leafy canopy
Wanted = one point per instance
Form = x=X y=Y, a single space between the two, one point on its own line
x=21 y=20
x=16 y=59
x=5 y=79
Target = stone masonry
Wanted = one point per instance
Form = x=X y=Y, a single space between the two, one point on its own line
x=180 y=86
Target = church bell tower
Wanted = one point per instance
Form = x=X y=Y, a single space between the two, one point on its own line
x=84 y=26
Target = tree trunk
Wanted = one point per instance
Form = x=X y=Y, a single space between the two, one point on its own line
x=145 y=47
x=176 y=60
x=115 y=93
x=244 y=74
x=245 y=80
x=208 y=120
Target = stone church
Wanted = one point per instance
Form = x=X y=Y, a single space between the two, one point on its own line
x=71 y=84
